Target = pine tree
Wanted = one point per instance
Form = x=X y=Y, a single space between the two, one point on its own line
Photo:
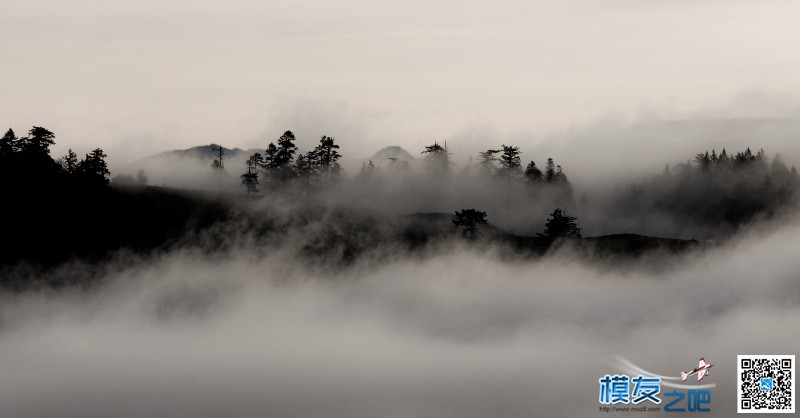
x=305 y=167
x=93 y=169
x=723 y=159
x=8 y=144
x=278 y=159
x=550 y=171
x=510 y=160
x=744 y=158
x=327 y=157
x=219 y=163
x=38 y=141
x=487 y=160
x=286 y=149
x=28 y=158
x=250 y=178
x=270 y=161
x=70 y=162
x=703 y=160
x=533 y=174
x=469 y=219
x=437 y=161
x=560 y=225
x=560 y=177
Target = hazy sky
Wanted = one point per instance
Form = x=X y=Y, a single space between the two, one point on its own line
x=140 y=77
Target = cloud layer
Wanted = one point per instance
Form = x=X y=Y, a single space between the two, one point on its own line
x=461 y=334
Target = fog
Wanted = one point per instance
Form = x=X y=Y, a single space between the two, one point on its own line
x=611 y=151
x=461 y=333
x=595 y=153
x=638 y=198
x=136 y=79
x=259 y=310
x=191 y=170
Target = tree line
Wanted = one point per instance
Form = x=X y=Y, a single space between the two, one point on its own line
x=27 y=159
x=278 y=165
x=558 y=225
x=712 y=192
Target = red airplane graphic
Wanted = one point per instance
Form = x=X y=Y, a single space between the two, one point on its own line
x=701 y=370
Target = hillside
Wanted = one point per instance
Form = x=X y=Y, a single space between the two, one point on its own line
x=206 y=153
x=94 y=227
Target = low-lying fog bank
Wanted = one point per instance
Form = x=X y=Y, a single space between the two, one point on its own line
x=459 y=334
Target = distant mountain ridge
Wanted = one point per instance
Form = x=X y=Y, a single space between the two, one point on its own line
x=209 y=153
x=204 y=152
x=393 y=151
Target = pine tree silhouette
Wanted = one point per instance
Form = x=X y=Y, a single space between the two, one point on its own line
x=560 y=225
x=469 y=219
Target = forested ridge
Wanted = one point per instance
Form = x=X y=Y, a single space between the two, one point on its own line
x=67 y=208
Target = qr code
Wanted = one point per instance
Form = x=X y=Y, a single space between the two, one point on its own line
x=766 y=384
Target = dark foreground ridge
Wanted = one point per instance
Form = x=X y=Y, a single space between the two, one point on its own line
x=93 y=227
x=90 y=224
x=423 y=228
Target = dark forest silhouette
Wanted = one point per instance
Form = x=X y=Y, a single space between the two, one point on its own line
x=62 y=209
x=717 y=192
x=27 y=161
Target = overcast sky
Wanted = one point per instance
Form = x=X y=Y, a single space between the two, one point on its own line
x=140 y=77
